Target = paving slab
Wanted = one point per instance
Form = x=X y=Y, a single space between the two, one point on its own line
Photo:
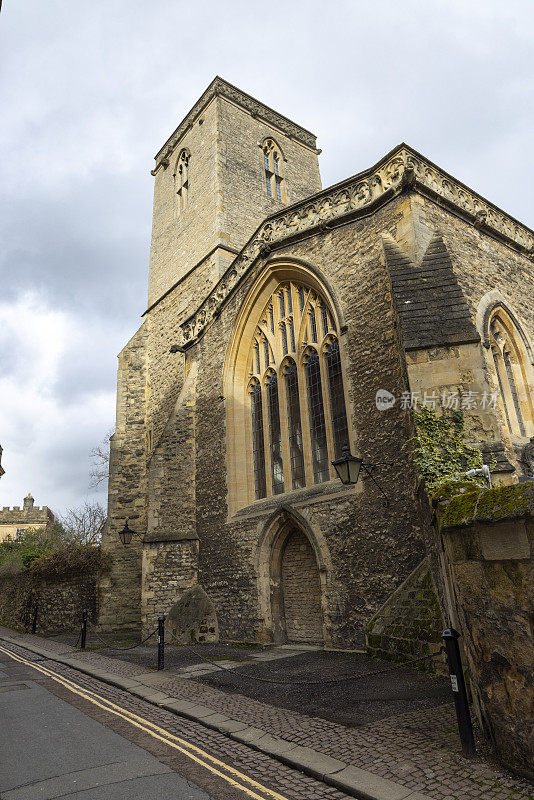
x=312 y=762
x=200 y=712
x=178 y=706
x=367 y=786
x=149 y=694
x=153 y=678
x=275 y=746
x=249 y=735
x=231 y=726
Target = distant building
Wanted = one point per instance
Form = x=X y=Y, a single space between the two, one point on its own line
x=15 y=519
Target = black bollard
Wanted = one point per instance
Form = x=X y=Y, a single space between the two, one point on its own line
x=161 y=642
x=465 y=728
x=84 y=629
x=34 y=618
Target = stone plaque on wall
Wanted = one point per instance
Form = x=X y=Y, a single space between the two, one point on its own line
x=508 y=540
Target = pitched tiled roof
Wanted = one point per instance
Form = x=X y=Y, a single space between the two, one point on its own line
x=430 y=303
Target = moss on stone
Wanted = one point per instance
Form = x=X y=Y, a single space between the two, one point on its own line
x=490 y=505
x=454 y=487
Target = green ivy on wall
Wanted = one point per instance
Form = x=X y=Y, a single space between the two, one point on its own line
x=440 y=451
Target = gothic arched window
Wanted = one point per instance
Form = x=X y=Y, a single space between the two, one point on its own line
x=272 y=160
x=298 y=421
x=181 y=179
x=512 y=368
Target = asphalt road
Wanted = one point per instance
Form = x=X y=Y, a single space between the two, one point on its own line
x=51 y=749
x=65 y=734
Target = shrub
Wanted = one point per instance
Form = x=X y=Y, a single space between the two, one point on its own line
x=71 y=561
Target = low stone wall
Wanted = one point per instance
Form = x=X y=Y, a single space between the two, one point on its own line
x=488 y=539
x=60 y=602
x=410 y=623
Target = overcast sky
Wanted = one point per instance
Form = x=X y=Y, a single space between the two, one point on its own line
x=89 y=93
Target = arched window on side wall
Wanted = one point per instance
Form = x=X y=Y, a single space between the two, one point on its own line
x=181 y=182
x=512 y=370
x=298 y=419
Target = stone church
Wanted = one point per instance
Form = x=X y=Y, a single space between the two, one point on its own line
x=277 y=310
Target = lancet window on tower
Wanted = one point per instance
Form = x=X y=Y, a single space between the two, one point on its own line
x=272 y=159
x=181 y=179
x=298 y=420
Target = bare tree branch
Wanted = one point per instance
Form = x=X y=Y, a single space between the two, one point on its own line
x=100 y=461
x=84 y=525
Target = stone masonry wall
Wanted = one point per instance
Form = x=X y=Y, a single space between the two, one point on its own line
x=244 y=199
x=481 y=263
x=488 y=539
x=410 y=623
x=169 y=568
x=371 y=549
x=121 y=588
x=60 y=603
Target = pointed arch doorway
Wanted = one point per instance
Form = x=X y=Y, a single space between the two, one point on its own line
x=296 y=588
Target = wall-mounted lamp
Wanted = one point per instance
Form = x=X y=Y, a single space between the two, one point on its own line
x=126 y=534
x=348 y=468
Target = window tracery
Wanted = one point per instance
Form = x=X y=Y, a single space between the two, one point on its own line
x=272 y=159
x=295 y=376
x=511 y=368
x=181 y=178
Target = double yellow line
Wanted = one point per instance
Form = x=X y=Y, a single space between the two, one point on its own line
x=229 y=774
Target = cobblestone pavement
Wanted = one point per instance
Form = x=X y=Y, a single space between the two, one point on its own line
x=419 y=749
x=278 y=777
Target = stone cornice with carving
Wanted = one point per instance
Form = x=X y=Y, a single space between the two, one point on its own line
x=400 y=170
x=224 y=89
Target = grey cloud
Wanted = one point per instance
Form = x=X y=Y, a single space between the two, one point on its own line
x=90 y=92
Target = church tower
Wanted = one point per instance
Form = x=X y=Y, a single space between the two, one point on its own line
x=230 y=163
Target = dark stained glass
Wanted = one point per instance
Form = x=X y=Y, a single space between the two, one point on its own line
x=292 y=335
x=313 y=325
x=497 y=370
x=284 y=339
x=319 y=446
x=257 y=357
x=324 y=319
x=282 y=301
x=340 y=433
x=266 y=353
x=289 y=300
x=298 y=479
x=513 y=392
x=258 y=447
x=278 y=182
x=275 y=435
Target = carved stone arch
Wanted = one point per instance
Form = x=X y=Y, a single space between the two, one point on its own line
x=184 y=151
x=510 y=359
x=265 y=142
x=488 y=306
x=273 y=536
x=276 y=273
